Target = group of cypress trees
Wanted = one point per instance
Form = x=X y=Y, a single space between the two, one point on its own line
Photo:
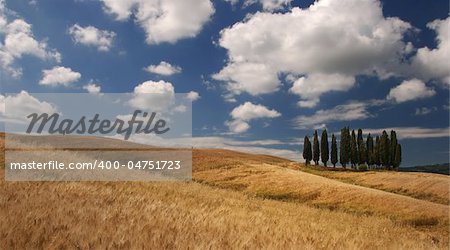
x=384 y=153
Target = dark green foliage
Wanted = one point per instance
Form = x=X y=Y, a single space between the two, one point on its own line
x=362 y=150
x=307 y=152
x=398 y=156
x=316 y=149
x=376 y=152
x=344 y=147
x=353 y=150
x=324 y=149
x=362 y=167
x=362 y=153
x=370 y=150
x=334 y=155
x=393 y=148
x=384 y=150
x=359 y=142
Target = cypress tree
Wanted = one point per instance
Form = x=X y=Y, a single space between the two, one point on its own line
x=393 y=148
x=316 y=149
x=307 y=154
x=324 y=150
x=398 y=156
x=359 y=143
x=376 y=153
x=334 y=156
x=353 y=150
x=384 y=149
x=344 y=147
x=370 y=153
x=348 y=144
x=362 y=153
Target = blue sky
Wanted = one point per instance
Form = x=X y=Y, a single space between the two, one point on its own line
x=263 y=73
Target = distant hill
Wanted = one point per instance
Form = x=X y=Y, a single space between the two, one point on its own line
x=442 y=168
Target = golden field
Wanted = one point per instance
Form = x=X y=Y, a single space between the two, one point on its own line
x=431 y=187
x=235 y=200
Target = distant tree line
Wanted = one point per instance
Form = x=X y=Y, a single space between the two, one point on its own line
x=384 y=152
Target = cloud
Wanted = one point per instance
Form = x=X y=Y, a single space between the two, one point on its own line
x=158 y=96
x=180 y=109
x=243 y=114
x=331 y=40
x=412 y=132
x=237 y=126
x=345 y=112
x=15 y=108
x=410 y=90
x=255 y=147
x=92 y=88
x=270 y=5
x=253 y=78
x=425 y=110
x=267 y=5
x=91 y=36
x=433 y=63
x=311 y=87
x=59 y=76
x=163 y=20
x=19 y=41
x=163 y=68
x=192 y=96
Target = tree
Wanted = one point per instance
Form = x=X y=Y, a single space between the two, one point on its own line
x=398 y=156
x=370 y=150
x=362 y=149
x=359 y=142
x=344 y=147
x=353 y=150
x=307 y=153
x=316 y=149
x=376 y=153
x=334 y=156
x=393 y=148
x=324 y=150
x=362 y=153
x=384 y=150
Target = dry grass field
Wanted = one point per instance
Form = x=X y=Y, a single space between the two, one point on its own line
x=236 y=200
x=431 y=187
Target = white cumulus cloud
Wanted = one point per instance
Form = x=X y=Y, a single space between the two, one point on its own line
x=163 y=68
x=158 y=96
x=15 y=108
x=192 y=96
x=433 y=63
x=243 y=114
x=91 y=36
x=410 y=90
x=19 y=41
x=59 y=76
x=163 y=20
x=310 y=87
x=331 y=40
x=92 y=88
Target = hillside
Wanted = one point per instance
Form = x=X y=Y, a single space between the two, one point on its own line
x=443 y=168
x=236 y=200
x=424 y=186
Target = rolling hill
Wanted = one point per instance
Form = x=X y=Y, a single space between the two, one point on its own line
x=236 y=200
